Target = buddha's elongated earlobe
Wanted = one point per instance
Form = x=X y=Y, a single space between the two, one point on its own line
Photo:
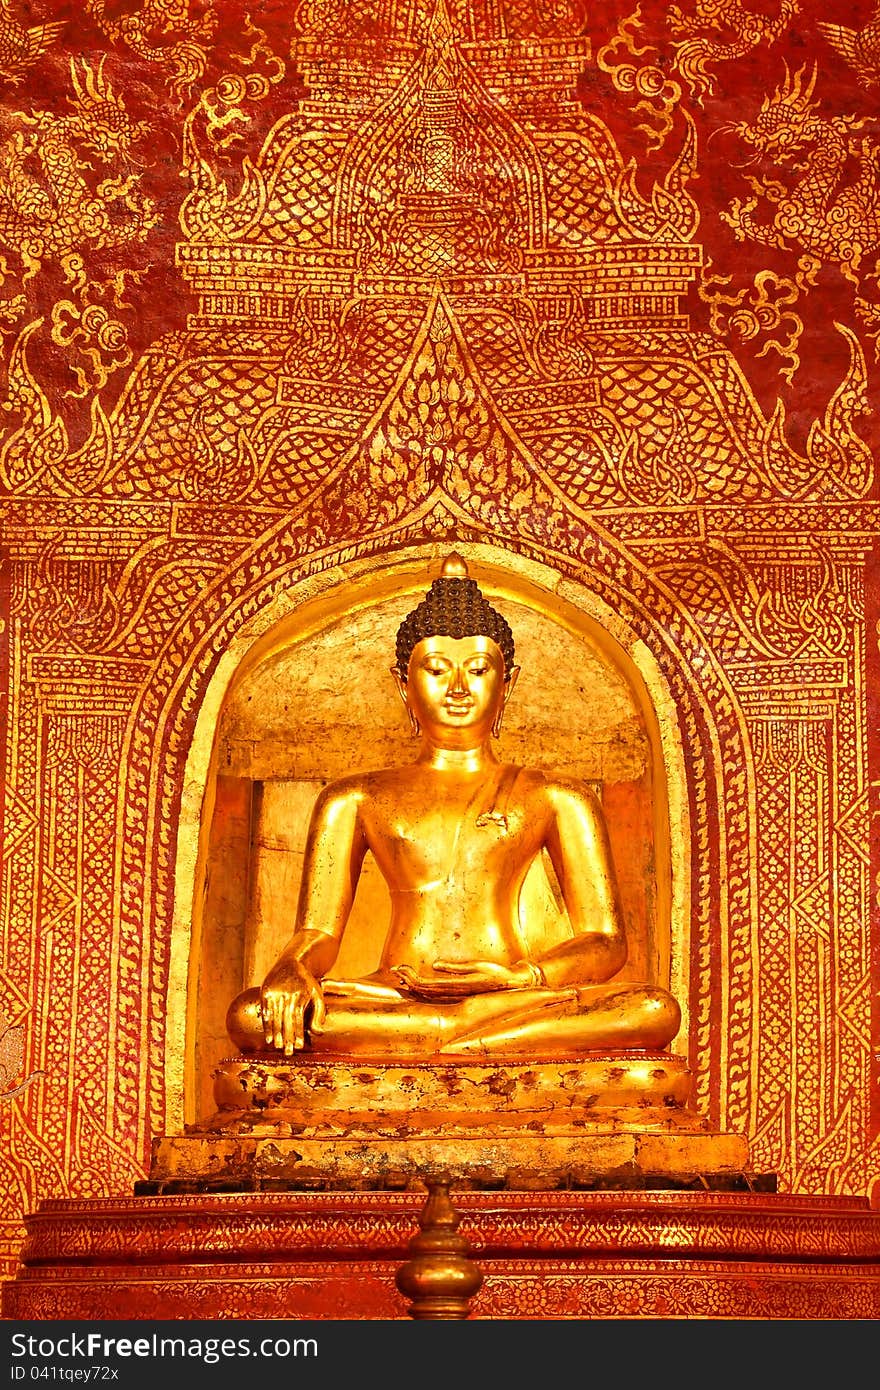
x=510 y=679
x=415 y=727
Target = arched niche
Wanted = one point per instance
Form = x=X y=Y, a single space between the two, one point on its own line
x=305 y=695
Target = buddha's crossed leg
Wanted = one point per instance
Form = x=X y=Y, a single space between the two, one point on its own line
x=387 y=1023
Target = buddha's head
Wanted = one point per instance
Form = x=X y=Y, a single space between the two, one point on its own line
x=455 y=661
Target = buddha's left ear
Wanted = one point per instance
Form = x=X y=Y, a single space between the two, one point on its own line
x=509 y=683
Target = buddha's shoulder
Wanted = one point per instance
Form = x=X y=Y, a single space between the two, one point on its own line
x=342 y=791
x=357 y=787
x=557 y=790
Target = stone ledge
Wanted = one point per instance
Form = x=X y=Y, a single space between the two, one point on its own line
x=533 y=1162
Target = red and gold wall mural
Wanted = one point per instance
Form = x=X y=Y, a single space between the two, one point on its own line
x=291 y=288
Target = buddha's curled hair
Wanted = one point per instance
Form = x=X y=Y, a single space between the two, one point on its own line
x=454 y=607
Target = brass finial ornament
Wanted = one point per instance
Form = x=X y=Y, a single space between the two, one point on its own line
x=454 y=606
x=439 y=1278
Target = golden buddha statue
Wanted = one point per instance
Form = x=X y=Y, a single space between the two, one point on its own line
x=454 y=834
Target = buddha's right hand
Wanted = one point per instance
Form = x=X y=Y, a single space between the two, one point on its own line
x=288 y=992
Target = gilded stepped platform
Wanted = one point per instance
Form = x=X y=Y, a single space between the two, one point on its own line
x=584 y=1189
x=613 y=1119
x=322 y=1255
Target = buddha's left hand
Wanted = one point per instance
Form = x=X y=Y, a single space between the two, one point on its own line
x=463 y=977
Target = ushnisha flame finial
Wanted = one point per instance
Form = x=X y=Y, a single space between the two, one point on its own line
x=454 y=567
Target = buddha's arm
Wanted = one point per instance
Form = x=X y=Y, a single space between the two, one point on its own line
x=581 y=856
x=334 y=856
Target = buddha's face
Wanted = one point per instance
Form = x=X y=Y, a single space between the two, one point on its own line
x=455 y=688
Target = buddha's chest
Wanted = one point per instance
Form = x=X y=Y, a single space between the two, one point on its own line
x=422 y=841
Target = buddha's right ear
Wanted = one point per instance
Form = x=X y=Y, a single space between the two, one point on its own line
x=400 y=682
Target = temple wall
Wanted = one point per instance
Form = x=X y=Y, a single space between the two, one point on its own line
x=289 y=312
